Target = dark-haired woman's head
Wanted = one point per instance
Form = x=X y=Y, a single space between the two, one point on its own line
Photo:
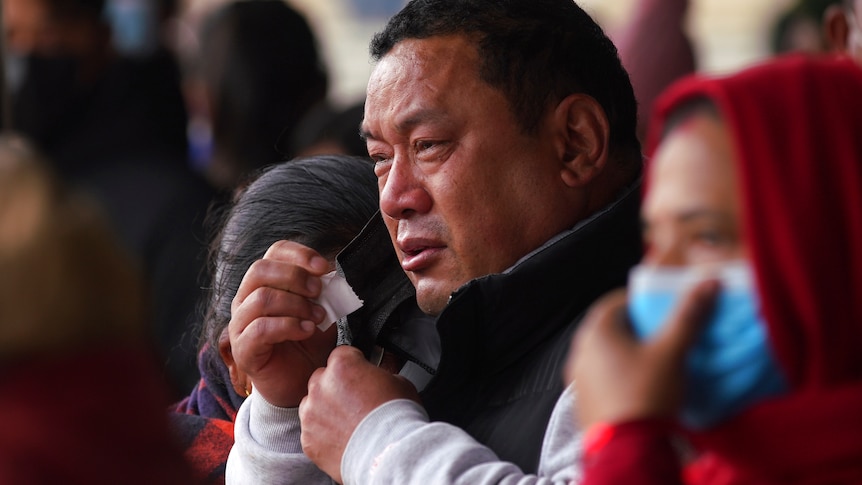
x=321 y=202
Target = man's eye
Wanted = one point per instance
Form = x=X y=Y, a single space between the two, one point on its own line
x=381 y=164
x=431 y=150
x=420 y=146
x=379 y=158
x=424 y=145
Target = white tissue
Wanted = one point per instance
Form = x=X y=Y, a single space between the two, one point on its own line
x=337 y=298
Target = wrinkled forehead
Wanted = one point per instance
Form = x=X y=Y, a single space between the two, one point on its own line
x=421 y=72
x=693 y=168
x=425 y=61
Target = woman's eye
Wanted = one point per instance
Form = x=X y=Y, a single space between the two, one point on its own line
x=711 y=238
x=714 y=238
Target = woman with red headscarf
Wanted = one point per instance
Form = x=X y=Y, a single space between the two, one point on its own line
x=735 y=355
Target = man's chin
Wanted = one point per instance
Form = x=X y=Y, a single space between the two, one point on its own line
x=431 y=298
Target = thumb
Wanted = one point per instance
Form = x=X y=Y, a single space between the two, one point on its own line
x=688 y=318
x=345 y=355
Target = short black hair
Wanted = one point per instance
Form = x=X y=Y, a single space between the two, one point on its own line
x=534 y=51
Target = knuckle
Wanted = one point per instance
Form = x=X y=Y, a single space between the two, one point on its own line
x=256 y=267
x=337 y=357
x=277 y=248
x=307 y=446
x=286 y=250
x=266 y=299
x=255 y=330
x=250 y=281
x=262 y=301
x=302 y=407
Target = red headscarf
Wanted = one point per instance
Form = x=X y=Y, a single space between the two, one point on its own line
x=796 y=125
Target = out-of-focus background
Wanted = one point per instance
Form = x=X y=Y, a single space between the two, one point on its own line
x=727 y=34
x=129 y=127
x=160 y=109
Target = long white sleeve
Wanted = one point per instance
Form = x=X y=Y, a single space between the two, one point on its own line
x=397 y=444
x=267 y=447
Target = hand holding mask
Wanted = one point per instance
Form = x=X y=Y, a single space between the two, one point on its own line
x=730 y=366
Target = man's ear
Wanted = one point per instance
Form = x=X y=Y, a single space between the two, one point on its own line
x=584 y=138
x=835 y=28
x=239 y=379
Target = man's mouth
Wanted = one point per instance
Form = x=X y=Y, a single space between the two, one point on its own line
x=418 y=254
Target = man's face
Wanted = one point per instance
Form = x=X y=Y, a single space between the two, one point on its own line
x=464 y=193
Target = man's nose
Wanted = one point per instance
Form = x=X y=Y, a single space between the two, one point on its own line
x=403 y=190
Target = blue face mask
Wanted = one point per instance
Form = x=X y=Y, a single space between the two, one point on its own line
x=731 y=365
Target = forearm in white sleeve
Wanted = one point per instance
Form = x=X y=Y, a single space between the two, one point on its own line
x=396 y=443
x=267 y=447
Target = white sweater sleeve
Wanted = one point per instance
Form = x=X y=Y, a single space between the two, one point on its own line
x=267 y=447
x=396 y=443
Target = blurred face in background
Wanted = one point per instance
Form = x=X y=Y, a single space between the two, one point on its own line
x=32 y=27
x=854 y=35
x=53 y=58
x=29 y=27
x=842 y=28
x=693 y=229
x=692 y=209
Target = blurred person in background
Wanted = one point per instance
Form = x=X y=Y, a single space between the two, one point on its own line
x=322 y=202
x=254 y=79
x=656 y=50
x=78 y=99
x=335 y=132
x=80 y=389
x=799 y=27
x=734 y=356
x=841 y=25
x=114 y=125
